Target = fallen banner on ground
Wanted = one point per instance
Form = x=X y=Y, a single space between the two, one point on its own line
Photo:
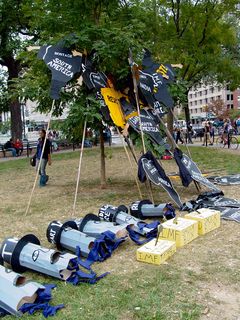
x=229 y=180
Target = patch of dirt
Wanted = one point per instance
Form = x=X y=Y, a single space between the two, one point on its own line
x=224 y=302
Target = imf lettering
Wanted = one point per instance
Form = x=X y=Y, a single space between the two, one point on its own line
x=183 y=236
x=210 y=223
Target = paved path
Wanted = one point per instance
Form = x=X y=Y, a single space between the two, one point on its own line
x=116 y=143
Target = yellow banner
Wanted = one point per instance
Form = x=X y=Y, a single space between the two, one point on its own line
x=112 y=100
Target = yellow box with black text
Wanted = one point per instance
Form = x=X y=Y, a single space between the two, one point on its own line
x=180 y=230
x=208 y=219
x=156 y=254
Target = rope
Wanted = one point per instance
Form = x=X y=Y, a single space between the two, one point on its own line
x=40 y=161
x=131 y=165
x=79 y=167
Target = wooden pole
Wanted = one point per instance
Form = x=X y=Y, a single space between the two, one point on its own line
x=135 y=88
x=131 y=165
x=79 y=168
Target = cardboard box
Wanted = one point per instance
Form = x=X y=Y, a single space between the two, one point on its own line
x=156 y=254
x=180 y=230
x=208 y=219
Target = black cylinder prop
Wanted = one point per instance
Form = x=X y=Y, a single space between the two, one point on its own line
x=93 y=226
x=115 y=215
x=145 y=209
x=67 y=236
x=26 y=253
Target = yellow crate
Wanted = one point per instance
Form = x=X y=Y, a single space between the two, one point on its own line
x=156 y=254
x=180 y=230
x=208 y=219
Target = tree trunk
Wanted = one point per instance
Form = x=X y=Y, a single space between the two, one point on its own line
x=102 y=155
x=170 y=125
x=16 y=119
x=15 y=107
x=170 y=122
x=187 y=113
x=186 y=109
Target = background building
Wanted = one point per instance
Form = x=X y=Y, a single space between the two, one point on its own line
x=203 y=94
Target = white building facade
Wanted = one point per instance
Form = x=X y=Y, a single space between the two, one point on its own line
x=202 y=94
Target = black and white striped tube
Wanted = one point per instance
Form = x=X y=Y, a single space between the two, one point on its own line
x=26 y=253
x=144 y=209
x=93 y=226
x=67 y=236
x=116 y=215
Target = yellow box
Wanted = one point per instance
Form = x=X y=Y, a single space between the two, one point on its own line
x=156 y=254
x=180 y=230
x=208 y=219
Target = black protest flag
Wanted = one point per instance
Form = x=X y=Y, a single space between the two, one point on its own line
x=147 y=85
x=63 y=65
x=95 y=81
x=149 y=167
x=152 y=82
x=91 y=78
x=148 y=124
x=188 y=169
x=184 y=173
x=166 y=70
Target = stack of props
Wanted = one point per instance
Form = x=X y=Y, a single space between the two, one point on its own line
x=96 y=239
x=27 y=253
x=18 y=296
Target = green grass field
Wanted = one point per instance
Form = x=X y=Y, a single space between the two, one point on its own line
x=201 y=281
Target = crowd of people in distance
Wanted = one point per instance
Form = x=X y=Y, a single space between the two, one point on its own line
x=207 y=131
x=182 y=135
x=15 y=146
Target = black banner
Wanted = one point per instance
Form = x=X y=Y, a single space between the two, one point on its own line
x=149 y=127
x=232 y=214
x=155 y=90
x=226 y=180
x=63 y=65
x=149 y=166
x=92 y=79
x=196 y=173
x=152 y=84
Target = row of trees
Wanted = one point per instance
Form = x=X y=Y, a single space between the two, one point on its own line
x=202 y=35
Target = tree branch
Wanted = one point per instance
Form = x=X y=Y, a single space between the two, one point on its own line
x=187 y=22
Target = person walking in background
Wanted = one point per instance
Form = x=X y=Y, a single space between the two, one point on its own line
x=46 y=158
x=18 y=145
x=238 y=125
x=206 y=133
x=211 y=133
x=109 y=136
x=9 y=146
x=226 y=128
x=178 y=134
x=189 y=132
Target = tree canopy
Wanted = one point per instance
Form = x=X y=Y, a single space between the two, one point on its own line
x=202 y=35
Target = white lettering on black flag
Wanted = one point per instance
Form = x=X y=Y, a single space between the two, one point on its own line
x=196 y=173
x=149 y=127
x=154 y=175
x=62 y=64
